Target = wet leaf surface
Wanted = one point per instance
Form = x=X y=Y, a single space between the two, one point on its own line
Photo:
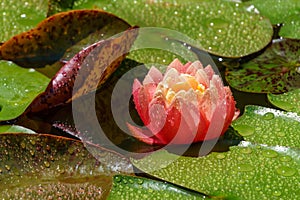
x=288 y=101
x=18 y=88
x=55 y=167
x=18 y=16
x=216 y=28
x=245 y=172
x=277 y=11
x=130 y=187
x=269 y=126
x=104 y=57
x=274 y=71
x=291 y=27
x=48 y=41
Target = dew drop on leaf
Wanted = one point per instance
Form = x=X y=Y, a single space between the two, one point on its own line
x=244 y=168
x=285 y=158
x=269 y=154
x=245 y=130
x=268 y=116
x=286 y=171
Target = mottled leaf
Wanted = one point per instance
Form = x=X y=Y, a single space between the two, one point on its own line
x=55 y=167
x=130 y=187
x=274 y=71
x=18 y=16
x=245 y=172
x=269 y=126
x=18 y=88
x=223 y=28
x=90 y=68
x=47 y=43
x=288 y=101
x=14 y=129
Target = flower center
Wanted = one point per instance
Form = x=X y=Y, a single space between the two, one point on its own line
x=186 y=83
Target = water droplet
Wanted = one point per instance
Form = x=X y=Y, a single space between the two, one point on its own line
x=285 y=158
x=23 y=145
x=276 y=193
x=244 y=168
x=268 y=116
x=246 y=150
x=47 y=164
x=220 y=156
x=7 y=167
x=285 y=171
x=269 y=153
x=118 y=179
x=32 y=142
x=140 y=181
x=245 y=130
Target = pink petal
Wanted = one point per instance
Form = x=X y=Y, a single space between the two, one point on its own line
x=142 y=96
x=176 y=64
x=153 y=76
x=209 y=71
x=143 y=135
x=194 y=67
x=230 y=110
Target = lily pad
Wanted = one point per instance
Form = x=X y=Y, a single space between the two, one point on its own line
x=291 y=27
x=18 y=88
x=276 y=10
x=55 y=167
x=269 y=126
x=48 y=41
x=245 y=172
x=14 y=129
x=18 y=16
x=130 y=187
x=225 y=29
x=274 y=71
x=288 y=101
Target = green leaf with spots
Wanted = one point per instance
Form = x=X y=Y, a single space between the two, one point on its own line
x=18 y=16
x=276 y=10
x=18 y=88
x=291 y=27
x=222 y=27
x=288 y=101
x=14 y=129
x=281 y=12
x=244 y=172
x=269 y=126
x=130 y=187
x=48 y=41
x=274 y=71
x=56 y=167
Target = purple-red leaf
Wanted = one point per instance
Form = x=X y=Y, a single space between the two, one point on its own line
x=97 y=63
x=47 y=43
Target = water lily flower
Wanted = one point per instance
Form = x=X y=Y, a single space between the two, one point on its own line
x=189 y=103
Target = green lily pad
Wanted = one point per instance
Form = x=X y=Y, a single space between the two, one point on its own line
x=18 y=16
x=130 y=187
x=55 y=167
x=269 y=126
x=14 y=129
x=245 y=172
x=274 y=71
x=276 y=10
x=288 y=101
x=291 y=27
x=225 y=29
x=18 y=88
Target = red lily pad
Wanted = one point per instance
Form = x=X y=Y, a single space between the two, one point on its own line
x=94 y=65
x=274 y=71
x=47 y=43
x=55 y=167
